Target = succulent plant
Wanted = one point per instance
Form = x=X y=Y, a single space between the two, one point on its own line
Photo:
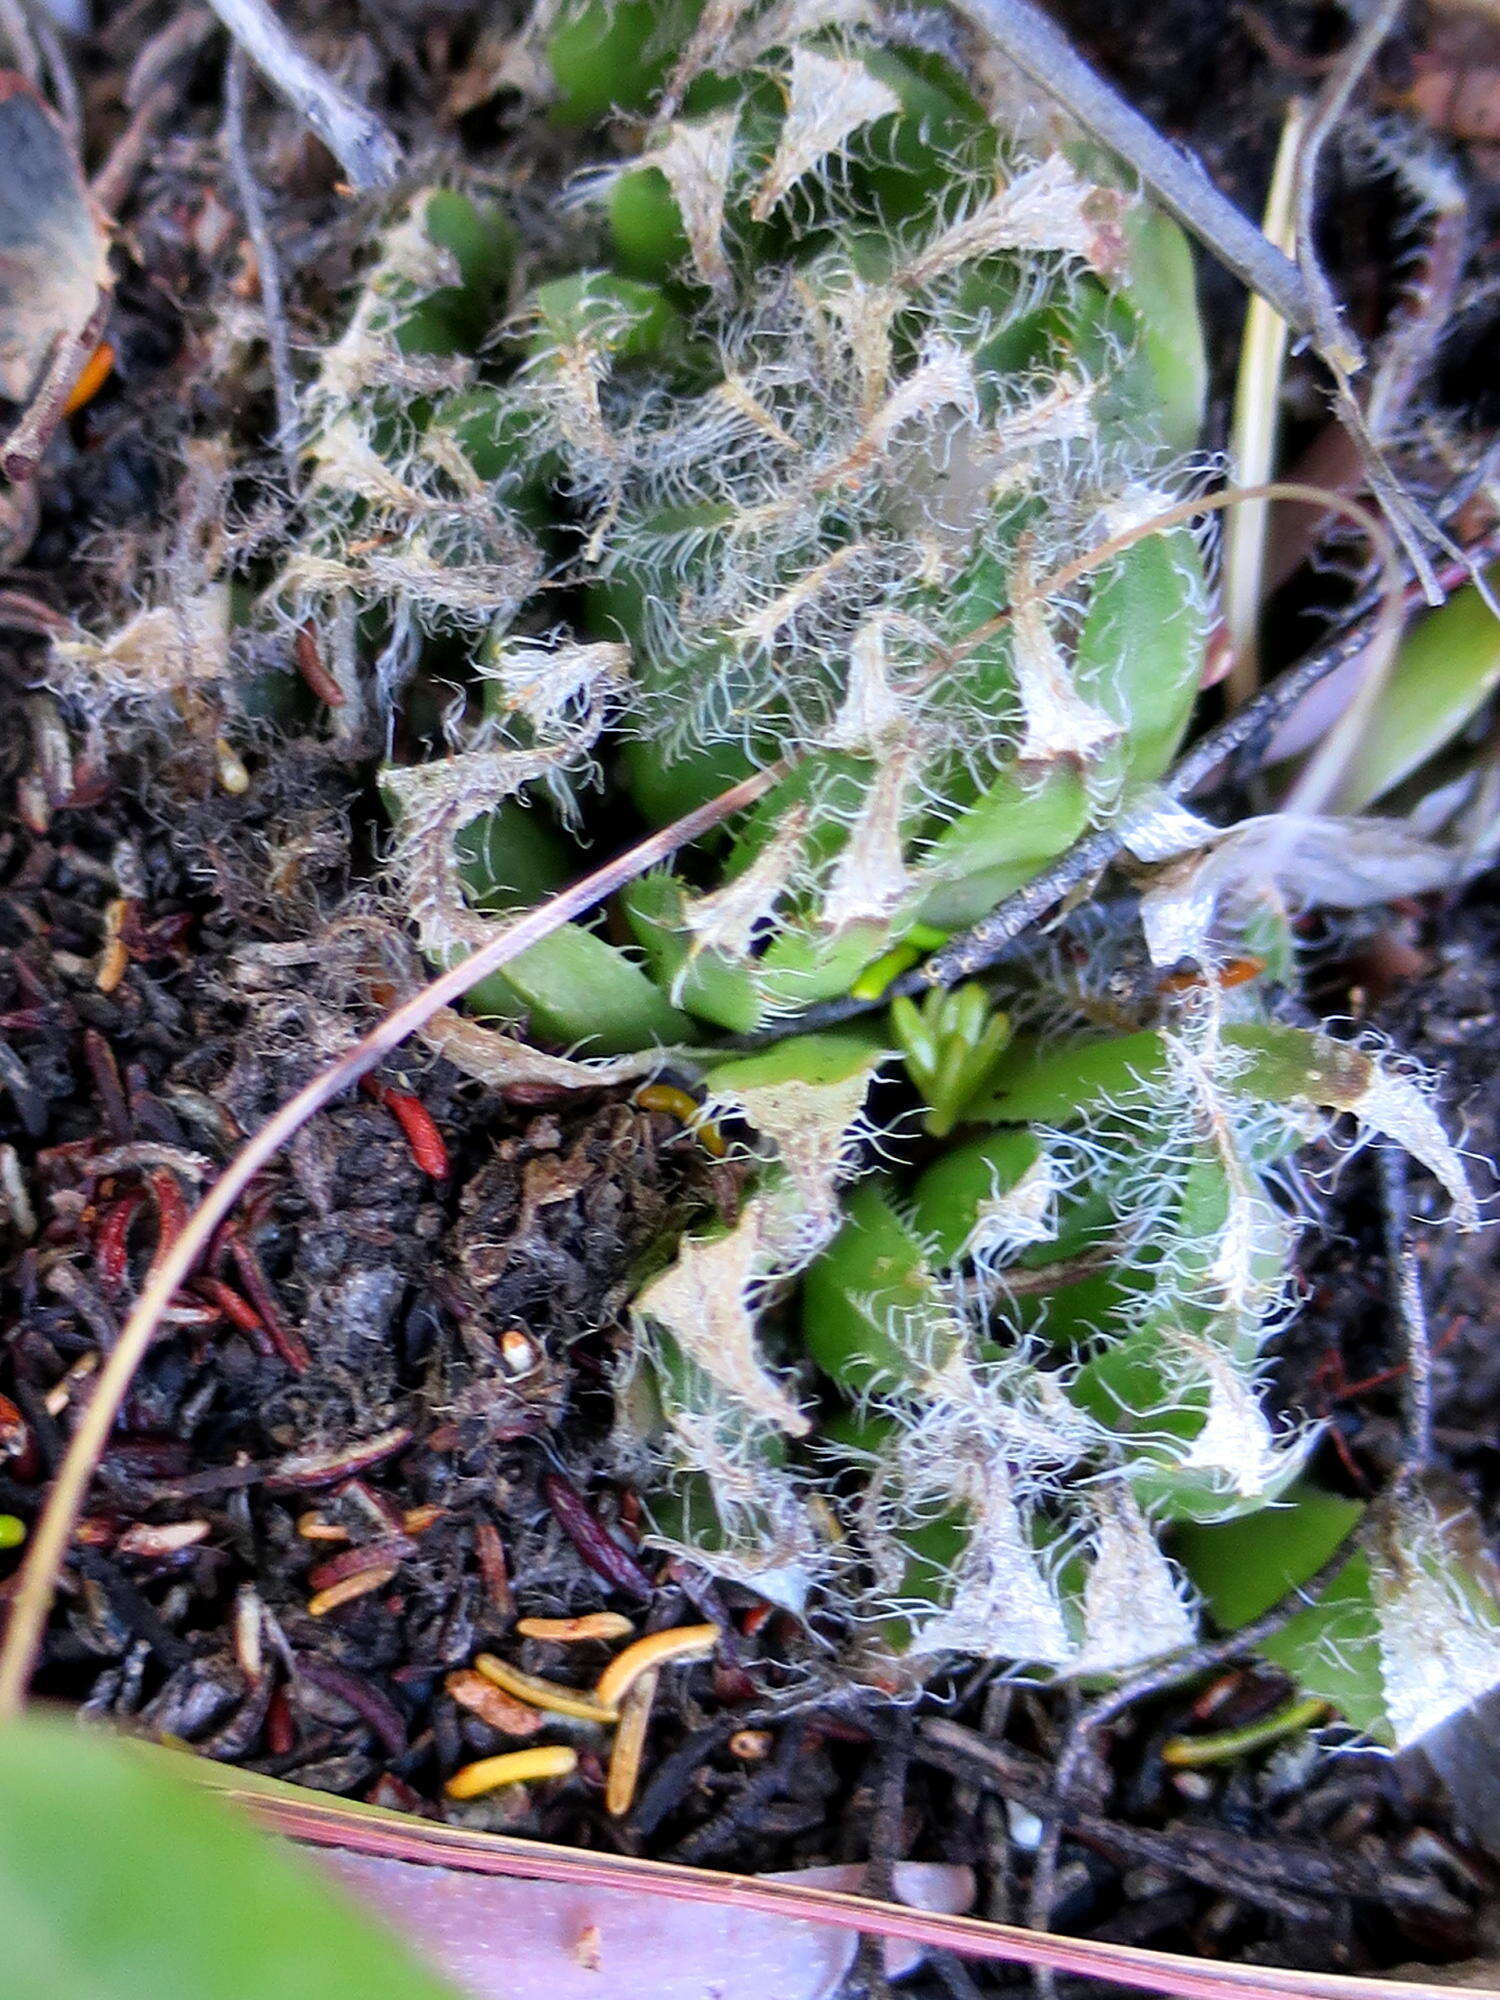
x=775 y=463
x=855 y=377
x=1054 y=1340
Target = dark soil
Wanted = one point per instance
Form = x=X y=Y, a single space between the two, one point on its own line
x=393 y=1366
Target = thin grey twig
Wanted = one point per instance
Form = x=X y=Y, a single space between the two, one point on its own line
x=1040 y=49
x=1461 y=567
x=22 y=451
x=1041 y=1893
x=60 y=73
x=1299 y=291
x=1327 y=114
x=364 y=147
x=1170 y=1673
x=867 y=1974
x=955 y=1975
x=1333 y=101
x=163 y=51
x=116 y=175
x=268 y=266
x=1408 y=523
x=151 y=93
x=1041 y=1897
x=1408 y=1307
x=21 y=43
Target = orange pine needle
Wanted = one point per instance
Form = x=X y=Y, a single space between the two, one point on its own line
x=657 y=1649
x=629 y=1746
x=349 y=1587
x=539 y=1693
x=574 y=1631
x=92 y=377
x=512 y=1767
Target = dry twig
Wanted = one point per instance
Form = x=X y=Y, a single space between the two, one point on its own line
x=1177 y=180
x=364 y=147
x=1327 y=115
x=26 y=446
x=20 y=42
x=267 y=263
x=1299 y=291
x=150 y=94
x=1408 y=1307
x=60 y=74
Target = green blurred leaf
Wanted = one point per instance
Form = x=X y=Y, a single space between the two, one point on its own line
x=717 y=989
x=605 y=58
x=1447 y=668
x=621 y=316
x=1168 y=381
x=1140 y=653
x=118 y=1882
x=481 y=240
x=1056 y=1083
x=946 y=1200
x=815 y=1059
x=998 y=843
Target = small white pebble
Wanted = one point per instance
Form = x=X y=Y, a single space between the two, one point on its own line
x=1195 y=1785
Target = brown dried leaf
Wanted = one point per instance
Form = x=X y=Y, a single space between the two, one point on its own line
x=491 y=1057
x=707 y=1300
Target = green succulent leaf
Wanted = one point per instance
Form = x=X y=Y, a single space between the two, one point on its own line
x=1164 y=383
x=1057 y=1083
x=482 y=241
x=1243 y=1567
x=575 y=987
x=1140 y=654
x=622 y=317
x=871 y=1310
x=578 y=990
